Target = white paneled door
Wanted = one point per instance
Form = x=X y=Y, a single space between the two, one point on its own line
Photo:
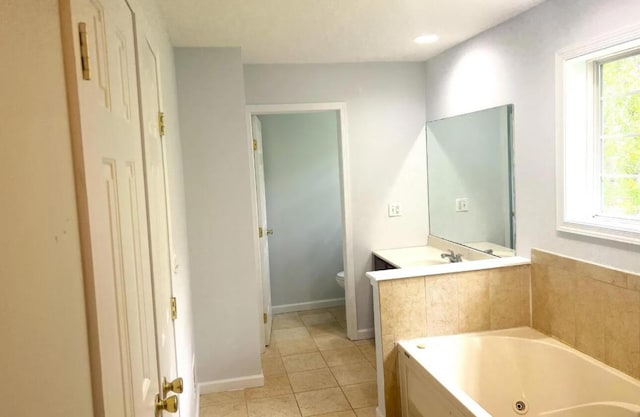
x=125 y=332
x=264 y=232
x=158 y=209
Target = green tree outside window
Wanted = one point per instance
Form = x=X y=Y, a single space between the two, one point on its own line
x=620 y=137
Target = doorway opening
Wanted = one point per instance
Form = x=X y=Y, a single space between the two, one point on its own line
x=302 y=209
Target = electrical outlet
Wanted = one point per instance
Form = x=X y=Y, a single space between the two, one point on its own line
x=394 y=210
x=462 y=204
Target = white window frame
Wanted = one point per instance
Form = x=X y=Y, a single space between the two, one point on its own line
x=577 y=139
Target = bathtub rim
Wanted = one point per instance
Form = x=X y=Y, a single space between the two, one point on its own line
x=524 y=332
x=447 y=388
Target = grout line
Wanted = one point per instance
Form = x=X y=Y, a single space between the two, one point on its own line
x=287 y=374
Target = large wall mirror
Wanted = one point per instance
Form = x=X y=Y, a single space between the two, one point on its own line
x=470 y=180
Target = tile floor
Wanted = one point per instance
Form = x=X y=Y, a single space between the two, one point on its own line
x=310 y=369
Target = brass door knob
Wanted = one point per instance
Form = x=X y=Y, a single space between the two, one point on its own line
x=176 y=386
x=169 y=404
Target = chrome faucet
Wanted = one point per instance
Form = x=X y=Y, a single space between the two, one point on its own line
x=453 y=257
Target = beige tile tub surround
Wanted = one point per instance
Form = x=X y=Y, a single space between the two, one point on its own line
x=590 y=307
x=447 y=304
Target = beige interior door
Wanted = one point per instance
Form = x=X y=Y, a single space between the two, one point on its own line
x=256 y=130
x=104 y=115
x=158 y=211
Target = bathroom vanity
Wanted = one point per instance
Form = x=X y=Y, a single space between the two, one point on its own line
x=465 y=277
x=426 y=255
x=439 y=299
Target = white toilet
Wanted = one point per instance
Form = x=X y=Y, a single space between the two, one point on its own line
x=340 y=278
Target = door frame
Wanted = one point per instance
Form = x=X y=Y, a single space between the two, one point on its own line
x=345 y=188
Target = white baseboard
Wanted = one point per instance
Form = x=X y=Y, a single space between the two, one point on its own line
x=365 y=334
x=309 y=305
x=231 y=384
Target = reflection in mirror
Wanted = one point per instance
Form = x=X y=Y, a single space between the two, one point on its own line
x=470 y=180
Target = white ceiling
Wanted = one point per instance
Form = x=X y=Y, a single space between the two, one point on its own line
x=331 y=31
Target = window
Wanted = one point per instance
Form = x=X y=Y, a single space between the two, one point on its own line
x=618 y=112
x=599 y=138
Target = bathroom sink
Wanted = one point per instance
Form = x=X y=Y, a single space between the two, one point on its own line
x=412 y=257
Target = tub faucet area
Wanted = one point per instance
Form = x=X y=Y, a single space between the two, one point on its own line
x=453 y=257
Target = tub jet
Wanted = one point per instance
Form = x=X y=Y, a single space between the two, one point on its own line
x=520 y=407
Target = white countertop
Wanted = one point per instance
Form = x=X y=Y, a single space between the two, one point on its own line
x=445 y=268
x=411 y=257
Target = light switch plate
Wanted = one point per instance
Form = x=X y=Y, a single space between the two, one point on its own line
x=462 y=204
x=394 y=210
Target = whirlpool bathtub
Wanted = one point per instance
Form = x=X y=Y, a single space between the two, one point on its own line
x=509 y=373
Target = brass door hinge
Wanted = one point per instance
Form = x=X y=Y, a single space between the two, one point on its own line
x=84 y=51
x=260 y=233
x=264 y=317
x=255 y=145
x=174 y=308
x=161 y=127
